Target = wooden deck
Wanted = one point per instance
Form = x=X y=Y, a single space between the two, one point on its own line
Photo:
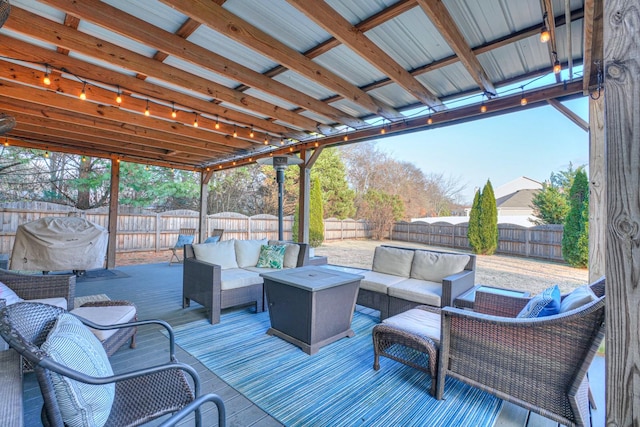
x=156 y=289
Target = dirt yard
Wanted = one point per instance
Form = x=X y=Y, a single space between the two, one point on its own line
x=496 y=270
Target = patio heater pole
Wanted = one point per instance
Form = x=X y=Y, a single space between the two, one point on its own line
x=280 y=163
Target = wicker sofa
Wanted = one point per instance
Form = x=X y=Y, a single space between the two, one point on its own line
x=223 y=275
x=404 y=278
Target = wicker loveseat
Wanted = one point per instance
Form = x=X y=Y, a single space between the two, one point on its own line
x=404 y=278
x=223 y=275
x=537 y=363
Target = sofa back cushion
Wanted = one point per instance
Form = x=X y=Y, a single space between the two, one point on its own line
x=221 y=253
x=248 y=251
x=392 y=261
x=434 y=266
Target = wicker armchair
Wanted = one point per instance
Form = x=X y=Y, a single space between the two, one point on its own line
x=25 y=327
x=28 y=286
x=539 y=364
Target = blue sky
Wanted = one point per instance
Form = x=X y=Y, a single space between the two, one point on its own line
x=532 y=143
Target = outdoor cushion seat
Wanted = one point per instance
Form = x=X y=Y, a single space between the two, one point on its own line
x=420 y=291
x=379 y=282
x=57 y=301
x=106 y=316
x=235 y=278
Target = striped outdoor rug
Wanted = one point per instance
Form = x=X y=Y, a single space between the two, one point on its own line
x=335 y=387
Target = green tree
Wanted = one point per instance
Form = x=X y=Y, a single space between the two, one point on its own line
x=316 y=215
x=550 y=205
x=381 y=210
x=337 y=197
x=489 y=220
x=575 y=238
x=474 y=228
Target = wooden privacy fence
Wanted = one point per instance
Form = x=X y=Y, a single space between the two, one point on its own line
x=541 y=241
x=149 y=231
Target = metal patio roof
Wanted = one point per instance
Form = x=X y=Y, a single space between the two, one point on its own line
x=284 y=75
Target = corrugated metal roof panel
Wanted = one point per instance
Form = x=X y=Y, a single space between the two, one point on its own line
x=27 y=39
x=151 y=11
x=411 y=39
x=180 y=89
x=270 y=99
x=281 y=20
x=343 y=62
x=350 y=108
x=393 y=95
x=100 y=63
x=116 y=39
x=230 y=49
x=40 y=9
x=199 y=71
x=356 y=11
x=301 y=83
x=448 y=80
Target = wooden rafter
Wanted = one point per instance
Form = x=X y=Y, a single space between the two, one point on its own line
x=593 y=42
x=440 y=17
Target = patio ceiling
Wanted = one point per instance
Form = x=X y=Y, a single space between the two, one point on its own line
x=283 y=75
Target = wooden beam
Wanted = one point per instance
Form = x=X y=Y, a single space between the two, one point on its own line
x=114 y=193
x=592 y=35
x=332 y=22
x=444 y=23
x=14 y=48
x=40 y=28
x=241 y=31
x=170 y=44
x=597 y=191
x=622 y=133
x=569 y=114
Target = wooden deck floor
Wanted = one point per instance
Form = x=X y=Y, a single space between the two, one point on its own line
x=156 y=289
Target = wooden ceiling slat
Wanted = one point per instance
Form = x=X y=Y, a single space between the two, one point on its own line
x=239 y=30
x=171 y=44
x=33 y=25
x=440 y=17
x=326 y=17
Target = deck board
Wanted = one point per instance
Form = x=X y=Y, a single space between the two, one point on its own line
x=156 y=290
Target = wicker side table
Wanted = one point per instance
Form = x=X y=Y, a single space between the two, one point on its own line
x=411 y=338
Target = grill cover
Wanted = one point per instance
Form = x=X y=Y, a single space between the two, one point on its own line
x=59 y=243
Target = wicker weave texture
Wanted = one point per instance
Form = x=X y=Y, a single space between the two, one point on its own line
x=28 y=286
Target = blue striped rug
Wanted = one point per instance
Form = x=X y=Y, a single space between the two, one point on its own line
x=335 y=387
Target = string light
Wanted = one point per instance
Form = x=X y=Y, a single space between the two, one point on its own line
x=195 y=121
x=174 y=113
x=483 y=107
x=523 y=99
x=217 y=123
x=46 y=154
x=281 y=140
x=430 y=120
x=6 y=142
x=146 y=111
x=83 y=94
x=46 y=80
x=556 y=64
x=84 y=159
x=235 y=134
x=383 y=130
x=266 y=140
x=251 y=134
x=118 y=97
x=545 y=35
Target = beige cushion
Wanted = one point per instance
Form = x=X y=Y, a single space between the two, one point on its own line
x=420 y=291
x=110 y=315
x=378 y=282
x=434 y=267
x=579 y=297
x=239 y=278
x=290 y=254
x=57 y=301
x=221 y=253
x=392 y=261
x=418 y=322
x=248 y=251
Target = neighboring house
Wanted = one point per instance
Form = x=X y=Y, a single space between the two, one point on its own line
x=513 y=200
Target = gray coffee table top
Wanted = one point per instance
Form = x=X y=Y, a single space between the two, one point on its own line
x=312 y=278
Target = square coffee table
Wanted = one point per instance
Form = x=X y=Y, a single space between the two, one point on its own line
x=467 y=299
x=311 y=307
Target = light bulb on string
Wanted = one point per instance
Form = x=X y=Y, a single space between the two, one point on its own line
x=235 y=133
x=545 y=35
x=174 y=113
x=46 y=154
x=251 y=134
x=83 y=94
x=195 y=121
x=557 y=68
x=523 y=99
x=118 y=97
x=46 y=80
x=217 y=123
x=146 y=110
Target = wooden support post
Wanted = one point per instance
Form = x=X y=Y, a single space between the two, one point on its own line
x=597 y=190
x=303 y=198
x=114 y=192
x=621 y=68
x=203 y=232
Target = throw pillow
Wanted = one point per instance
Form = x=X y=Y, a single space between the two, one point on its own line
x=577 y=298
x=290 y=254
x=70 y=343
x=433 y=266
x=544 y=304
x=248 y=251
x=212 y=239
x=7 y=294
x=392 y=261
x=221 y=253
x=271 y=256
x=184 y=240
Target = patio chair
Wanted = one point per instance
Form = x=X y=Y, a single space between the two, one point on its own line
x=540 y=364
x=216 y=236
x=72 y=369
x=185 y=237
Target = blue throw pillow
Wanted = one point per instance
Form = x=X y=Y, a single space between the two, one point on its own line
x=544 y=304
x=212 y=239
x=184 y=240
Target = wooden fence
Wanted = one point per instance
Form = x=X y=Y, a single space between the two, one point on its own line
x=542 y=241
x=149 y=231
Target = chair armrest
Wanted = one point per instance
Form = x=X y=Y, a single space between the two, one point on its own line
x=28 y=286
x=455 y=285
x=196 y=404
x=499 y=305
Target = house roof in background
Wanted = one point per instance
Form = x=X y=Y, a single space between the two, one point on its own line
x=521 y=199
x=296 y=74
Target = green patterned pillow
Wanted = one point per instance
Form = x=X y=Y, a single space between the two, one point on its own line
x=271 y=256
